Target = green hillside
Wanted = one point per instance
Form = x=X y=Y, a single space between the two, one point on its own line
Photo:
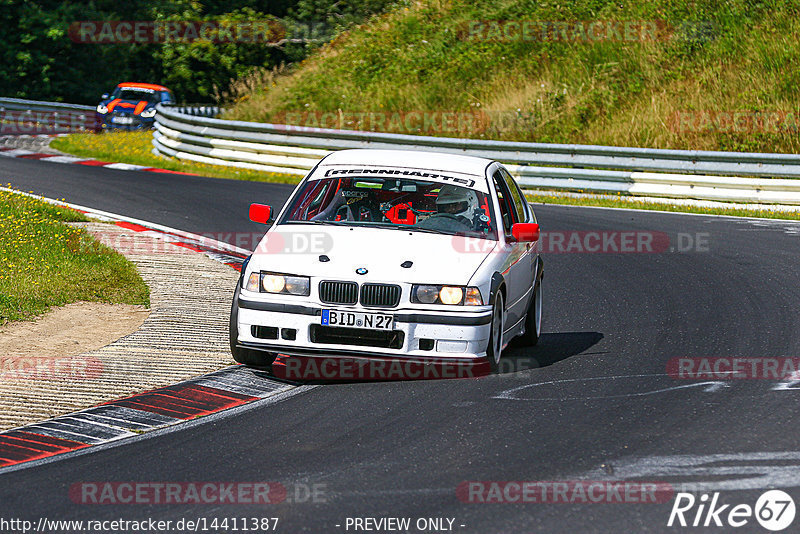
x=662 y=73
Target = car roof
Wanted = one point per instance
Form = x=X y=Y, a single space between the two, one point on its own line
x=413 y=159
x=139 y=85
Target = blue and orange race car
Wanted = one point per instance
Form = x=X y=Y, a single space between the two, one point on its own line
x=132 y=106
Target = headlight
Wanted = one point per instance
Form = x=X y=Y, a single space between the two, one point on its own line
x=450 y=295
x=284 y=284
x=297 y=285
x=426 y=294
x=273 y=283
x=146 y=114
x=102 y=109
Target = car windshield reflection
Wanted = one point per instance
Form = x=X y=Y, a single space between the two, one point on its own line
x=414 y=205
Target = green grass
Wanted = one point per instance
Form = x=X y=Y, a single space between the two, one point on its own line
x=44 y=262
x=709 y=56
x=136 y=148
x=633 y=203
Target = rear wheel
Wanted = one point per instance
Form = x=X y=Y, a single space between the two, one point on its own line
x=533 y=318
x=249 y=357
x=495 y=348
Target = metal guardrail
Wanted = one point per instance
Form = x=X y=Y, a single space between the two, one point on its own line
x=36 y=105
x=191 y=133
x=19 y=116
x=197 y=110
x=725 y=176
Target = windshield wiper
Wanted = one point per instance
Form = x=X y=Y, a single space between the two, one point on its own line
x=319 y=221
x=365 y=224
x=426 y=230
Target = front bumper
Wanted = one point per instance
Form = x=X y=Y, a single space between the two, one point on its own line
x=138 y=123
x=419 y=333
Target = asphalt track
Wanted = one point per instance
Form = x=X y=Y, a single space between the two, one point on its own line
x=592 y=401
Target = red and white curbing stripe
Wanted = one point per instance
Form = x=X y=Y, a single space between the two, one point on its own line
x=216 y=250
x=151 y=410
x=145 y=412
x=54 y=158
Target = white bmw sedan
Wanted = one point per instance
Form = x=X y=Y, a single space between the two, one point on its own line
x=392 y=254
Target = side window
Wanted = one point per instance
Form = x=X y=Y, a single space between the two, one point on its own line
x=504 y=199
x=520 y=204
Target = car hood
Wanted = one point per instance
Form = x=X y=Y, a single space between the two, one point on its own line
x=435 y=258
x=131 y=107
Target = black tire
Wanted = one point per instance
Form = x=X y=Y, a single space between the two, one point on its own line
x=533 y=318
x=494 y=350
x=249 y=357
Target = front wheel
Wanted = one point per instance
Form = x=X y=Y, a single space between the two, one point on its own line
x=495 y=348
x=249 y=357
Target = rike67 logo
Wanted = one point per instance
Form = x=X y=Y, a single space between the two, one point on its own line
x=774 y=510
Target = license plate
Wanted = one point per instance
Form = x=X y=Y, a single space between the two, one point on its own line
x=122 y=120
x=370 y=321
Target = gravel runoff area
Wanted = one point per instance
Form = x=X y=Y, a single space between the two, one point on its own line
x=184 y=336
x=34 y=143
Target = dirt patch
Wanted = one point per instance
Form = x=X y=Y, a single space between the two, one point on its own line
x=184 y=336
x=70 y=330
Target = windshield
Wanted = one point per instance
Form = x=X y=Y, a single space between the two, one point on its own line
x=135 y=94
x=415 y=205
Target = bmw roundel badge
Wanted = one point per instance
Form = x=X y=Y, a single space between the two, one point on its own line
x=361 y=270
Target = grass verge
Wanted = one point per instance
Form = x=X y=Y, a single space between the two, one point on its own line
x=706 y=75
x=136 y=148
x=44 y=262
x=633 y=203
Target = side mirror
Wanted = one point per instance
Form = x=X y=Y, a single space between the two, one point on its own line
x=525 y=232
x=104 y=97
x=259 y=213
